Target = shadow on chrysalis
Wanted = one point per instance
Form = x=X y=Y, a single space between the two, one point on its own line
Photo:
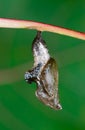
x=44 y=73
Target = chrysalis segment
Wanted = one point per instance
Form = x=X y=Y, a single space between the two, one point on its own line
x=40 y=51
x=33 y=75
x=44 y=73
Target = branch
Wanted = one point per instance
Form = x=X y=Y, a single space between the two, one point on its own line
x=10 y=23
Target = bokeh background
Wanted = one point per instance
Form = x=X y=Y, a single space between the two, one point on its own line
x=19 y=108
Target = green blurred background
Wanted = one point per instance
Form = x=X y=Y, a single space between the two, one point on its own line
x=19 y=108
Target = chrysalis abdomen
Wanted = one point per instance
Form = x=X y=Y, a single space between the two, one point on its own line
x=40 y=51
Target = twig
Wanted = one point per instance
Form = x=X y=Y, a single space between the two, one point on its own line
x=10 y=23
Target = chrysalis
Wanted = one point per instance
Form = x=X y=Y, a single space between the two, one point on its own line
x=44 y=73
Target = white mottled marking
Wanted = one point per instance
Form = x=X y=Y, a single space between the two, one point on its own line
x=42 y=55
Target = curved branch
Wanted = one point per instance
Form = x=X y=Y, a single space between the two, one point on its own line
x=10 y=23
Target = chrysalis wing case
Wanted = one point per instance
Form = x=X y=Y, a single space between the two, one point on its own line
x=44 y=73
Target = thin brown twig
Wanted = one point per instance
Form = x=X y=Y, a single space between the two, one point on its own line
x=11 y=23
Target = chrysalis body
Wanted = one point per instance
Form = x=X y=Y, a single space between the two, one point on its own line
x=44 y=73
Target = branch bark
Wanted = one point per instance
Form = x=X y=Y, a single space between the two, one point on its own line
x=11 y=23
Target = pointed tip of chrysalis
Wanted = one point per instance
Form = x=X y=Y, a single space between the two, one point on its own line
x=59 y=107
